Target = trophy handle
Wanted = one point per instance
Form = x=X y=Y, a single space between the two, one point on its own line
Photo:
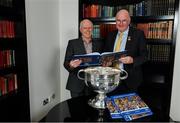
x=124 y=76
x=82 y=70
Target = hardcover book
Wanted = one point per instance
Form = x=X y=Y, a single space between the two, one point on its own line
x=114 y=111
x=131 y=106
x=94 y=59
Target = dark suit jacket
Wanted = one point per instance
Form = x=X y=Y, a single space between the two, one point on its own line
x=136 y=47
x=76 y=47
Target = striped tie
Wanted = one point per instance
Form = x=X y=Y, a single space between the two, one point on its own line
x=117 y=48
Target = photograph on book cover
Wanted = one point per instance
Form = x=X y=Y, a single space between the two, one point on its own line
x=113 y=110
x=131 y=106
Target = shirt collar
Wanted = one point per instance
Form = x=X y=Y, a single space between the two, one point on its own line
x=86 y=42
x=125 y=32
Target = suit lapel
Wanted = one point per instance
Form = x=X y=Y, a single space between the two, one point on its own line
x=129 y=39
x=113 y=39
x=81 y=46
x=95 y=46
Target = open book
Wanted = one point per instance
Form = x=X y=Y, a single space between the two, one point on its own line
x=97 y=58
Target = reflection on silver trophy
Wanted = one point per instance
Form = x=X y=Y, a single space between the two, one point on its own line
x=102 y=80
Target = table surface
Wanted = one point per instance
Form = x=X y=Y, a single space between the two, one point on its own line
x=78 y=110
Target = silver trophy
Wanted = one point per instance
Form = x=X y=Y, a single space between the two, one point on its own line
x=102 y=80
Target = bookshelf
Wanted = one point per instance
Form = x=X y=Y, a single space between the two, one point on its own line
x=14 y=90
x=158 y=20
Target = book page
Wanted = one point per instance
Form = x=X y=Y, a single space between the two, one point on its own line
x=106 y=53
x=94 y=53
x=112 y=56
x=112 y=53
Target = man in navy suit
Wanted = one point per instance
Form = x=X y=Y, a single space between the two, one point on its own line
x=83 y=45
x=133 y=40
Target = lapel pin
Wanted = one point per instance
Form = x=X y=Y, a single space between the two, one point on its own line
x=129 y=38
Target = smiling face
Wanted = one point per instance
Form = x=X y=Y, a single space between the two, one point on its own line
x=122 y=20
x=86 y=28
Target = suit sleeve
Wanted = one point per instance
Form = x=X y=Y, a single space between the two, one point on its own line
x=68 y=56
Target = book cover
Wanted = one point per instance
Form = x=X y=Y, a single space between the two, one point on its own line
x=96 y=58
x=113 y=110
x=131 y=106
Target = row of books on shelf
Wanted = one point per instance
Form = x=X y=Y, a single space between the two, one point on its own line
x=156 y=30
x=127 y=106
x=6 y=3
x=159 y=53
x=102 y=30
x=8 y=83
x=162 y=7
x=144 y=8
x=7 y=29
x=7 y=58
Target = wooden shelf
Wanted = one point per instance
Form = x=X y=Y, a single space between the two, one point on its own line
x=159 y=41
x=135 y=19
x=112 y=2
x=14 y=102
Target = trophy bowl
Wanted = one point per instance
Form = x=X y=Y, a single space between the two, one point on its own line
x=101 y=80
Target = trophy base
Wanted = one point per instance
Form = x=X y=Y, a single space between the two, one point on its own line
x=98 y=102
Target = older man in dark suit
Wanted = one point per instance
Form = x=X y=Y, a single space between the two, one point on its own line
x=132 y=40
x=83 y=45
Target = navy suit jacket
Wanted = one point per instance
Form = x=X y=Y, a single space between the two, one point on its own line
x=136 y=47
x=76 y=47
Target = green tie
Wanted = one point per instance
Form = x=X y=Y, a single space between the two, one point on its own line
x=117 y=48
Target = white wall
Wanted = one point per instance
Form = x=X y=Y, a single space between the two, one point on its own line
x=68 y=30
x=42 y=20
x=175 y=98
x=50 y=24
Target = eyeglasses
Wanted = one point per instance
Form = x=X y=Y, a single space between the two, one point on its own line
x=122 y=21
x=89 y=28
